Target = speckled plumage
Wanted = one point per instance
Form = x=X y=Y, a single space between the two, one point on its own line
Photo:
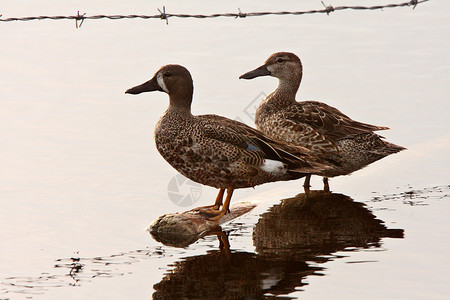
x=214 y=150
x=210 y=150
x=345 y=144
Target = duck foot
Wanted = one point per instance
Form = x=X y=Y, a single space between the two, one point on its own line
x=208 y=207
x=216 y=205
x=214 y=213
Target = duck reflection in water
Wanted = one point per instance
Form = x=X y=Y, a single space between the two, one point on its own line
x=227 y=274
x=307 y=227
x=290 y=235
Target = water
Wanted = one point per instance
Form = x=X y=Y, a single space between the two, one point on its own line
x=81 y=178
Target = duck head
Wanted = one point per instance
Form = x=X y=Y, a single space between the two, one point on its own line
x=174 y=80
x=285 y=66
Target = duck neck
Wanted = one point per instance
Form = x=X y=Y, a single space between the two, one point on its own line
x=181 y=101
x=179 y=106
x=286 y=90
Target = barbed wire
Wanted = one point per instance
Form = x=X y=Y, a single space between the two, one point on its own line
x=163 y=15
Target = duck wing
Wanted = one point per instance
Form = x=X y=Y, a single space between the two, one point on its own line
x=255 y=146
x=327 y=120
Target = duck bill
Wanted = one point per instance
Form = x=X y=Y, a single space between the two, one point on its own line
x=149 y=86
x=260 y=71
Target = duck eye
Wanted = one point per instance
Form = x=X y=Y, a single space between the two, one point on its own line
x=167 y=74
x=280 y=60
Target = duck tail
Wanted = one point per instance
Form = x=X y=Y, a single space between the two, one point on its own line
x=387 y=149
x=393 y=148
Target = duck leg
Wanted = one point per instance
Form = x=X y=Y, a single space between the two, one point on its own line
x=306 y=184
x=217 y=204
x=215 y=214
x=225 y=207
x=326 y=186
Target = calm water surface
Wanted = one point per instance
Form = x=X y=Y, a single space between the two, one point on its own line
x=80 y=177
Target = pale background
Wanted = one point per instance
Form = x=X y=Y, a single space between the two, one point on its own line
x=80 y=175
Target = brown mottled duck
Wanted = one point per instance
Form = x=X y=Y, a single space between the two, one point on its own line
x=345 y=144
x=216 y=151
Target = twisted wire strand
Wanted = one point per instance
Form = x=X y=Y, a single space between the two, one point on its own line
x=165 y=16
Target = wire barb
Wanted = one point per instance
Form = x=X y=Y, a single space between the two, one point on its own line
x=79 y=17
x=414 y=2
x=328 y=8
x=164 y=15
x=240 y=14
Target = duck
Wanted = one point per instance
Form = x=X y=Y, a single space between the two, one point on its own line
x=343 y=143
x=216 y=151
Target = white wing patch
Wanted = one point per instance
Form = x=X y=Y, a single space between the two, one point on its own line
x=273 y=166
x=161 y=83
